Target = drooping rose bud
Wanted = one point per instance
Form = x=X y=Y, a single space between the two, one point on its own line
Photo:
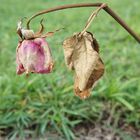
x=34 y=56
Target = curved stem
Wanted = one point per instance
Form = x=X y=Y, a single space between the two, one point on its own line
x=91 y=18
x=107 y=9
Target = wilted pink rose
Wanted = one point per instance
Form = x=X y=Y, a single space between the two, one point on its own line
x=34 y=56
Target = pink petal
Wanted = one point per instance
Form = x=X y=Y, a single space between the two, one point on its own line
x=20 y=68
x=34 y=56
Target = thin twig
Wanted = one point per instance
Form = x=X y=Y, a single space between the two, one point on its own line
x=91 y=18
x=107 y=9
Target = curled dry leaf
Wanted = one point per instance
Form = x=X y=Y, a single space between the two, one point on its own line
x=82 y=56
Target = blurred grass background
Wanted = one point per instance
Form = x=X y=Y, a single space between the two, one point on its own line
x=40 y=103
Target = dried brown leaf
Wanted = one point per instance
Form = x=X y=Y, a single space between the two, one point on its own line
x=81 y=55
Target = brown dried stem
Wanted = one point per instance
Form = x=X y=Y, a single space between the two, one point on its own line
x=91 y=18
x=107 y=9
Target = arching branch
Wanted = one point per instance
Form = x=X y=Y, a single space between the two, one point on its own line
x=107 y=9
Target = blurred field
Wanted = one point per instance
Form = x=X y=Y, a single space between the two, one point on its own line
x=42 y=103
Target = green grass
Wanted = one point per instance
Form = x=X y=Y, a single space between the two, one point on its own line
x=40 y=103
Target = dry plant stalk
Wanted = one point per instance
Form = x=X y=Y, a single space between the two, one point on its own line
x=82 y=56
x=92 y=17
x=106 y=8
